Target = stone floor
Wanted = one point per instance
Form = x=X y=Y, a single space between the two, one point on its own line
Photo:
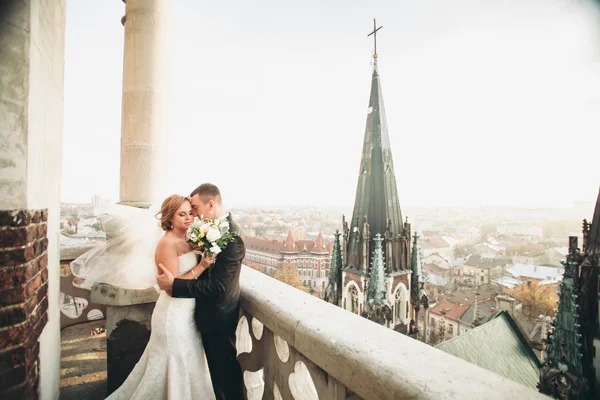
x=83 y=362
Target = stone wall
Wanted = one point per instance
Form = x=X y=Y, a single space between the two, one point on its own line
x=23 y=299
x=351 y=277
x=398 y=279
x=32 y=40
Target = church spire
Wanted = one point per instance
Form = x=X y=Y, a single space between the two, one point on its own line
x=376 y=201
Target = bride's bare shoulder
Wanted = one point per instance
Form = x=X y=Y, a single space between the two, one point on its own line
x=170 y=244
x=167 y=241
x=166 y=247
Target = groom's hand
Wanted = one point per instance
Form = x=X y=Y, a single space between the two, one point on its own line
x=165 y=280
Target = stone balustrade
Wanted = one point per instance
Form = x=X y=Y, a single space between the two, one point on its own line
x=72 y=313
x=292 y=345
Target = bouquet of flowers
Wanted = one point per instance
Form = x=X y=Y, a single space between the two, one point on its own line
x=211 y=235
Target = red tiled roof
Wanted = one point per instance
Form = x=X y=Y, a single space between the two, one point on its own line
x=290 y=245
x=453 y=311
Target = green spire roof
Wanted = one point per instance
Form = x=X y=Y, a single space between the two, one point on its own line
x=376 y=191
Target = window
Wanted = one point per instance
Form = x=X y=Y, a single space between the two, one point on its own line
x=450 y=328
x=432 y=321
x=481 y=278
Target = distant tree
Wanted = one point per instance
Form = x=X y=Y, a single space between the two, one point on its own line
x=536 y=299
x=432 y=336
x=442 y=328
x=489 y=228
x=513 y=249
x=288 y=273
x=282 y=228
x=461 y=251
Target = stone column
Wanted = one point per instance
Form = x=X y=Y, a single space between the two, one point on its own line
x=128 y=320
x=144 y=133
x=145 y=114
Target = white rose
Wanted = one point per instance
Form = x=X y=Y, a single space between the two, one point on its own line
x=204 y=227
x=215 y=249
x=213 y=234
x=224 y=226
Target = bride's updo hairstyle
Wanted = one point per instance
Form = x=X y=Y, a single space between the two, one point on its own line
x=168 y=209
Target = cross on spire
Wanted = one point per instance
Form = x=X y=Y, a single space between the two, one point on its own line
x=374 y=33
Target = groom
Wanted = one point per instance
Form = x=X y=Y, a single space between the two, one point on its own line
x=217 y=298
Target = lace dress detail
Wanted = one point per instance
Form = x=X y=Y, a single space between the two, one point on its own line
x=173 y=365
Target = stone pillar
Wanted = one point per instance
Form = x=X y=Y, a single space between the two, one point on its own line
x=426 y=325
x=128 y=319
x=31 y=108
x=145 y=114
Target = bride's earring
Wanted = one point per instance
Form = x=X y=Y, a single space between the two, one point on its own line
x=170 y=225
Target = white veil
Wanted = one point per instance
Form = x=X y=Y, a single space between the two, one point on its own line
x=126 y=259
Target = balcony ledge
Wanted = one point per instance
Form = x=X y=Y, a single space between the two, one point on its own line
x=370 y=360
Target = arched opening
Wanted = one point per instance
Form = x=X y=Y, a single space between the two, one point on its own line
x=401 y=304
x=353 y=294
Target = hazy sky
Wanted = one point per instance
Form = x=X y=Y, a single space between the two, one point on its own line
x=487 y=103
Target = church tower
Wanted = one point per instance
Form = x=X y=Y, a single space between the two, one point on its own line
x=376 y=243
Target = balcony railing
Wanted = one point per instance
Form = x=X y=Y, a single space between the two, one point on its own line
x=293 y=345
x=77 y=308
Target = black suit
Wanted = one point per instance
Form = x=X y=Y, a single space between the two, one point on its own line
x=217 y=311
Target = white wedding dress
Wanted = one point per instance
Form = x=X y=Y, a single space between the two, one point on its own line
x=173 y=365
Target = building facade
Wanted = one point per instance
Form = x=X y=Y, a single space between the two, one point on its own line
x=312 y=258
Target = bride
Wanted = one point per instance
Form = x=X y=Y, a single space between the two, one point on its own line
x=173 y=365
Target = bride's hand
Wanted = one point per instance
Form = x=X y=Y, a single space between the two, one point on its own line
x=207 y=261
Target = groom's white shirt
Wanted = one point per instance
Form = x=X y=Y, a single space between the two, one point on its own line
x=222 y=217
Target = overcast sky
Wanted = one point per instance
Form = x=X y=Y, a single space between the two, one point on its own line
x=487 y=103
